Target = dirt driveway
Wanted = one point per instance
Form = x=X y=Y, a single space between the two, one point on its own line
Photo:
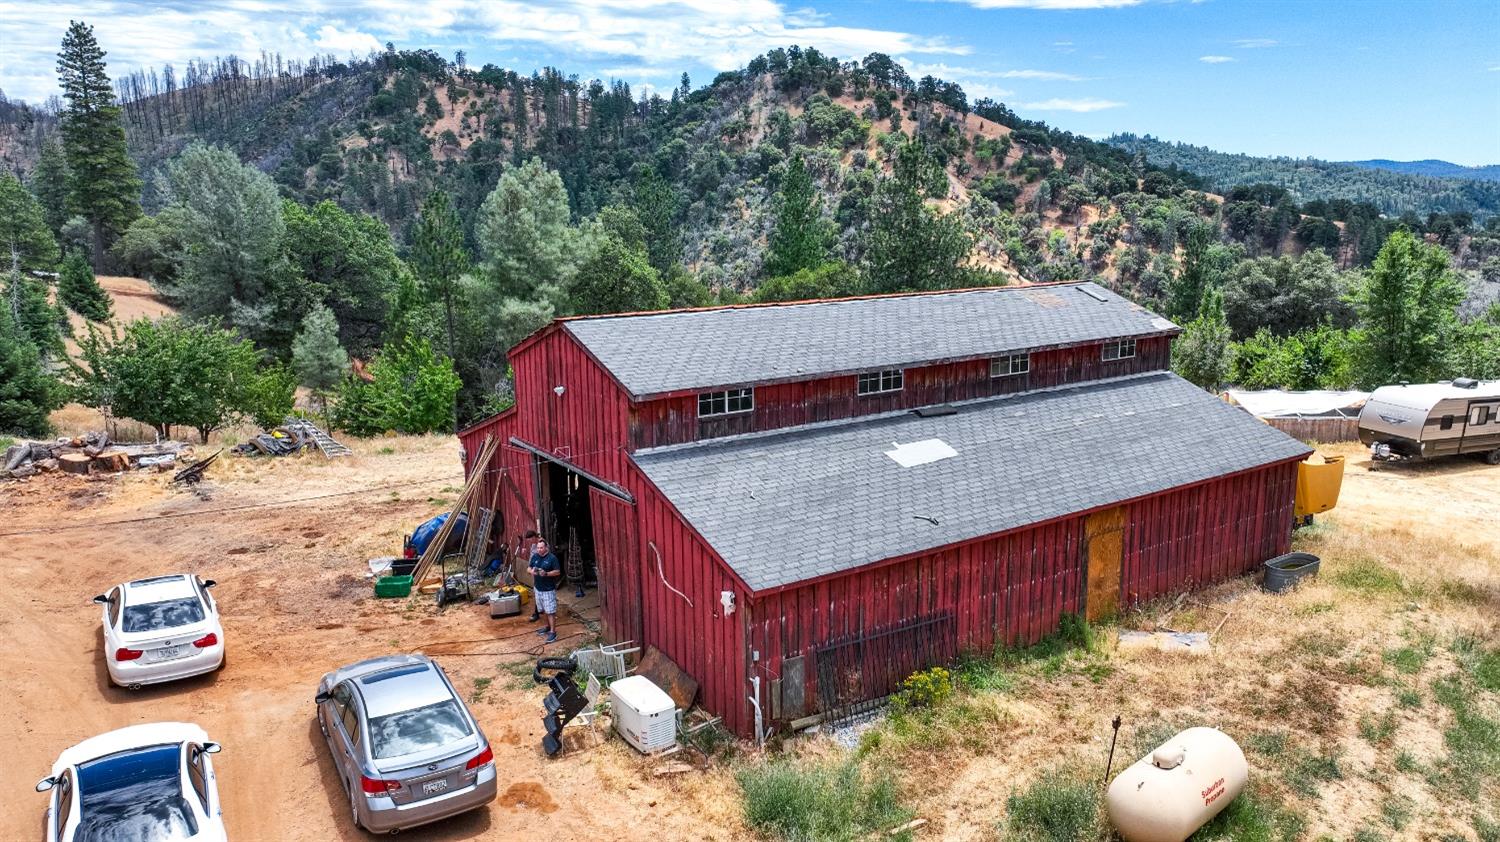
x=295 y=605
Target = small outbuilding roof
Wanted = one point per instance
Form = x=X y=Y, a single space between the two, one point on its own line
x=658 y=353
x=791 y=505
x=1276 y=403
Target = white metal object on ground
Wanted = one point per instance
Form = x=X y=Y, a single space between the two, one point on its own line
x=1171 y=792
x=644 y=714
x=161 y=629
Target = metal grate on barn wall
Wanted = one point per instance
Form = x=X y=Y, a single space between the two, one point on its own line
x=857 y=674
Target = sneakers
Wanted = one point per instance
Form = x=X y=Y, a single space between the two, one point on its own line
x=550 y=638
x=535 y=615
x=542 y=630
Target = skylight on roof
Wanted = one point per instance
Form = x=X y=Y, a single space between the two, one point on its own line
x=915 y=453
x=1092 y=293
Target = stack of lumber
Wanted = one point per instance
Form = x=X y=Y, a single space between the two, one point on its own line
x=467 y=502
x=91 y=453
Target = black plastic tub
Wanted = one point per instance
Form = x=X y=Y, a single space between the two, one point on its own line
x=403 y=566
x=1285 y=571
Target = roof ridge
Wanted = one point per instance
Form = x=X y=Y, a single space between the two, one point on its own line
x=764 y=305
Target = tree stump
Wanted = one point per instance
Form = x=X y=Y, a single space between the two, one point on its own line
x=113 y=461
x=75 y=463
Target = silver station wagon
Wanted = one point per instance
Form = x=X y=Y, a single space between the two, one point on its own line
x=406 y=747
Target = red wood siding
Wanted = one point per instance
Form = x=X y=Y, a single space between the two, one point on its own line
x=1196 y=536
x=586 y=423
x=617 y=560
x=705 y=642
x=673 y=420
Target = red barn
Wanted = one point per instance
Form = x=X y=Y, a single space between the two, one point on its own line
x=803 y=503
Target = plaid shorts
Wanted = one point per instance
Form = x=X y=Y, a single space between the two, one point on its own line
x=546 y=602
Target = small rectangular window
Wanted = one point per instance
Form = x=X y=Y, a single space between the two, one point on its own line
x=1118 y=349
x=875 y=382
x=726 y=402
x=1446 y=423
x=1010 y=364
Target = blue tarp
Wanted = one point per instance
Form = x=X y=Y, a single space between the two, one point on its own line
x=423 y=535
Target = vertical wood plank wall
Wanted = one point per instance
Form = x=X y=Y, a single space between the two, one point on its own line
x=1206 y=533
x=674 y=420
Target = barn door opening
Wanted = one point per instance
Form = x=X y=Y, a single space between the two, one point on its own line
x=568 y=521
x=617 y=559
x=1103 y=547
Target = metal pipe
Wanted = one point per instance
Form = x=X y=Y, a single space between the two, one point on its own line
x=760 y=735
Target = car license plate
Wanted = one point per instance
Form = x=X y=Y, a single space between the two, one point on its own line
x=434 y=787
x=167 y=653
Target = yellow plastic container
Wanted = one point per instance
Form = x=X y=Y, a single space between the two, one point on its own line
x=1318 y=485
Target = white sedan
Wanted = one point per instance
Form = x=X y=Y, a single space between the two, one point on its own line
x=161 y=629
x=153 y=781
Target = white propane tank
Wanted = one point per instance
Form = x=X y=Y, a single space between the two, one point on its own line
x=1171 y=792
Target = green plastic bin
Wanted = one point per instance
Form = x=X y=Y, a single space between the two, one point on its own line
x=388 y=587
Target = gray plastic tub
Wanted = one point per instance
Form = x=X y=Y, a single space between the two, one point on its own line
x=1285 y=571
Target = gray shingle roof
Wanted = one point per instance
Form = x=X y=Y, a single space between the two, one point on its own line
x=666 y=352
x=792 y=505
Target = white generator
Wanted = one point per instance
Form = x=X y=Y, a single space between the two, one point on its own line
x=644 y=714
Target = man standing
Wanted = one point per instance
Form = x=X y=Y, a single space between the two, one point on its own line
x=546 y=572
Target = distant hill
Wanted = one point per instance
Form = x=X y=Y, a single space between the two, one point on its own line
x=1431 y=167
x=1393 y=192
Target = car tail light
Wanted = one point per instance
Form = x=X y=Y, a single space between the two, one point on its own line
x=206 y=641
x=123 y=654
x=373 y=787
x=480 y=759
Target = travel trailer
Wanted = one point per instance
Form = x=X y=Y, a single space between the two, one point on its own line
x=1424 y=420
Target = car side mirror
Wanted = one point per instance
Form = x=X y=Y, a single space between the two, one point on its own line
x=45 y=784
x=212 y=748
x=102 y=599
x=208 y=583
x=321 y=698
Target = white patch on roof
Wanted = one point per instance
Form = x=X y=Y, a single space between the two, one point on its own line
x=1162 y=324
x=915 y=453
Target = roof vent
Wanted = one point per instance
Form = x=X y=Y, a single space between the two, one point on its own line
x=935 y=411
x=916 y=453
x=1466 y=383
x=1092 y=293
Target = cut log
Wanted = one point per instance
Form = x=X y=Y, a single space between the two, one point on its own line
x=46 y=466
x=15 y=455
x=23 y=471
x=112 y=461
x=75 y=463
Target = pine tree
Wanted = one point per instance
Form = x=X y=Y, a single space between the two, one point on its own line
x=317 y=358
x=801 y=236
x=49 y=182
x=1201 y=354
x=1406 y=311
x=1185 y=292
x=37 y=319
x=25 y=242
x=438 y=256
x=27 y=393
x=656 y=205
x=102 y=183
x=79 y=289
x=911 y=246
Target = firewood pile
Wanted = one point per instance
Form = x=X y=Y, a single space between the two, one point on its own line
x=87 y=454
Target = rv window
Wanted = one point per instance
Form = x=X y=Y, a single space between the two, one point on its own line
x=1447 y=423
x=1481 y=416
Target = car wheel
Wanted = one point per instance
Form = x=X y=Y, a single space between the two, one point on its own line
x=1493 y=457
x=354 y=809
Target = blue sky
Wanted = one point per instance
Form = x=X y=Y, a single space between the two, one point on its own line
x=1336 y=80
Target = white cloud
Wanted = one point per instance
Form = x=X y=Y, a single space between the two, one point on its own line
x=1215 y=59
x=655 y=33
x=1082 y=106
x=1255 y=43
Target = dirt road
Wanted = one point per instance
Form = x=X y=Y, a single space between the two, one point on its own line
x=295 y=604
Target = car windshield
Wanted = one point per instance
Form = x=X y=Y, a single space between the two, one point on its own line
x=167 y=614
x=135 y=795
x=419 y=729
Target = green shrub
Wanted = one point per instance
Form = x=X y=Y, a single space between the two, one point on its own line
x=809 y=800
x=1059 y=806
x=925 y=689
x=412 y=392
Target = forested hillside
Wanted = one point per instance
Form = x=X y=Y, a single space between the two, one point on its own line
x=1410 y=190
x=426 y=214
x=1437 y=169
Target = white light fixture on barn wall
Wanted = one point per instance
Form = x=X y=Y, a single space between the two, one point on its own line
x=726 y=598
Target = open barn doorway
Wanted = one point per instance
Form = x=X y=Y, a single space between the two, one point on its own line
x=567 y=522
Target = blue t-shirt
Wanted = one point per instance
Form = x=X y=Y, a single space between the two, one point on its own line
x=546 y=564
